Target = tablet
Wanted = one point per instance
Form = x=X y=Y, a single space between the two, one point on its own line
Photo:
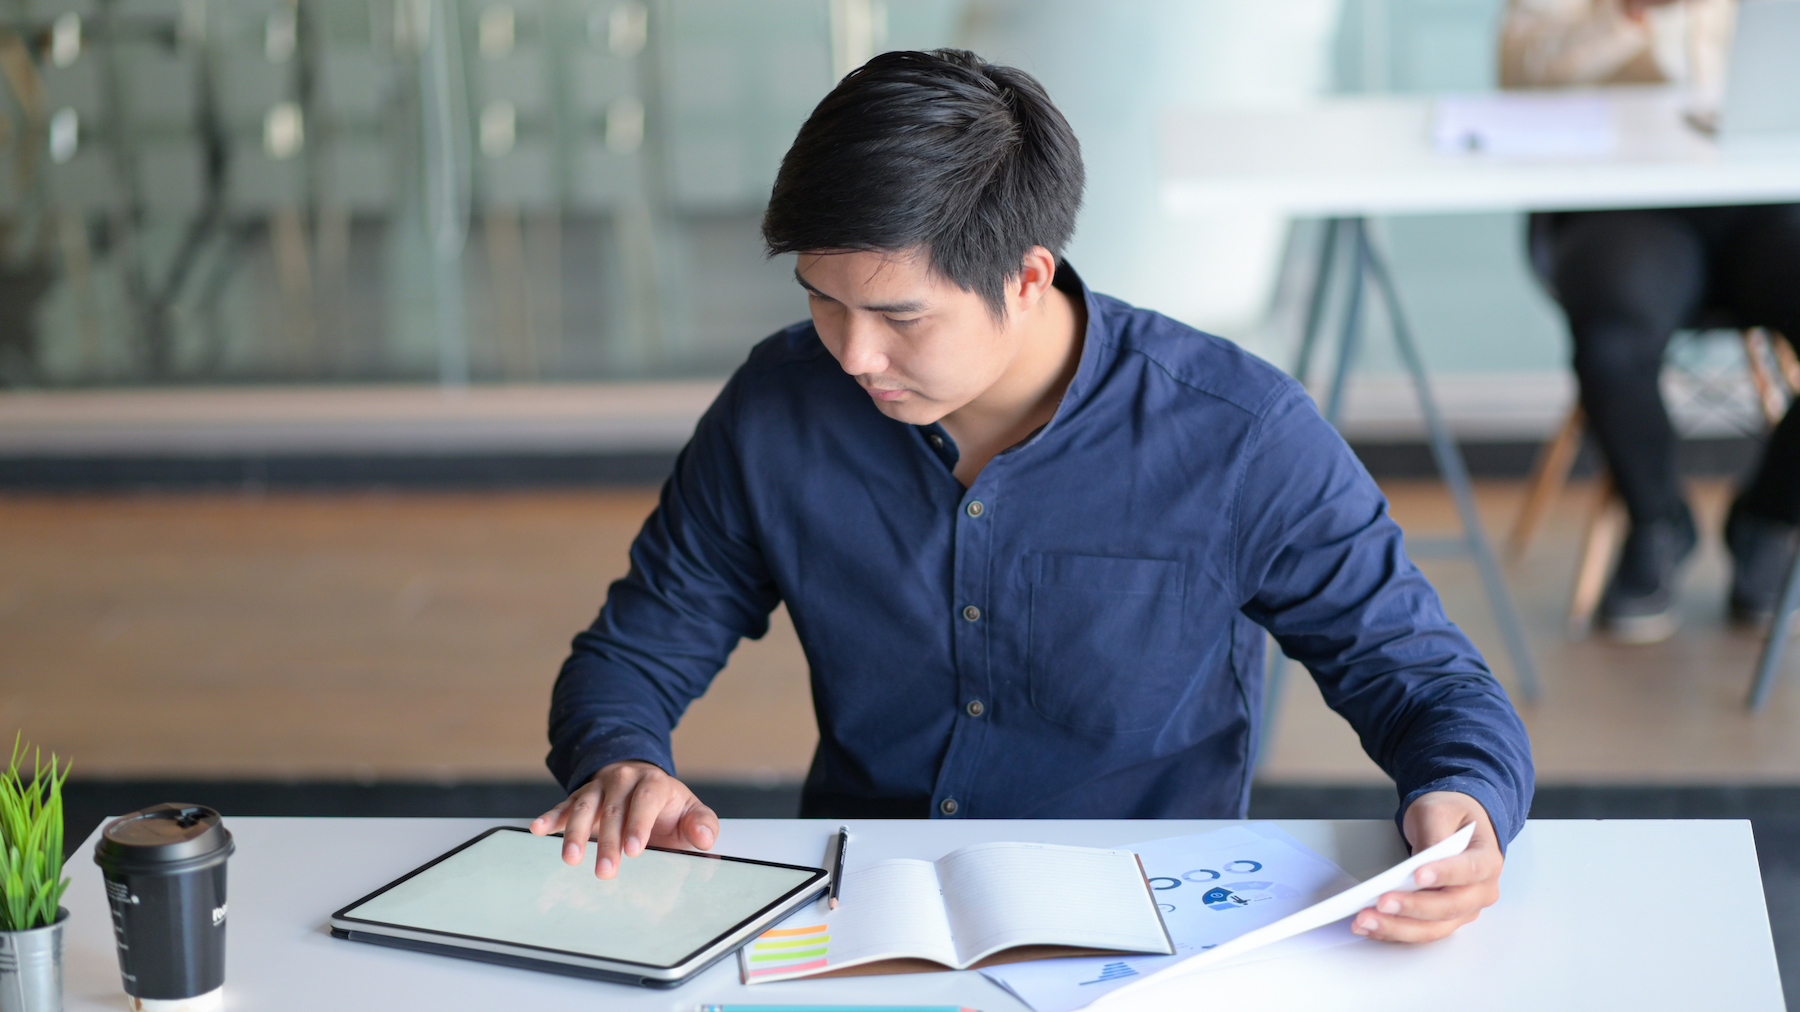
x=507 y=897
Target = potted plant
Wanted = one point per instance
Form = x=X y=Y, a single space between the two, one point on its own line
x=31 y=885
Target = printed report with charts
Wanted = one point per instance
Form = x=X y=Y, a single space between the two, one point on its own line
x=979 y=906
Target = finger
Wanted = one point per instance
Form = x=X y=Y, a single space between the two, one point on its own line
x=700 y=826
x=583 y=805
x=667 y=830
x=644 y=808
x=1438 y=904
x=1407 y=930
x=1467 y=868
x=551 y=821
x=609 y=826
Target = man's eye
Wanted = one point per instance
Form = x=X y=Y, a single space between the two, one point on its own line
x=903 y=322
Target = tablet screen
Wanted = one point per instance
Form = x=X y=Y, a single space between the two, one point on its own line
x=662 y=908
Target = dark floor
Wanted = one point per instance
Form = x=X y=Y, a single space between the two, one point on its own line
x=86 y=802
x=1774 y=814
x=1716 y=457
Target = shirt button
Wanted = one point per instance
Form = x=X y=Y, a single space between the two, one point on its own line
x=947 y=806
x=972 y=613
x=936 y=441
x=975 y=709
x=975 y=508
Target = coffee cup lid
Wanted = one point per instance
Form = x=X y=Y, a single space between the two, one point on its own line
x=162 y=835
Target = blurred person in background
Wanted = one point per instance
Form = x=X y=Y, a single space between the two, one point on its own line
x=1628 y=279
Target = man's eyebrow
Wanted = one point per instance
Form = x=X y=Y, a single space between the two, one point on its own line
x=897 y=307
x=885 y=307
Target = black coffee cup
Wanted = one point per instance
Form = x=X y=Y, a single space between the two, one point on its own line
x=165 y=882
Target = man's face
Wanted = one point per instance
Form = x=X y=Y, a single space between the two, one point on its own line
x=918 y=344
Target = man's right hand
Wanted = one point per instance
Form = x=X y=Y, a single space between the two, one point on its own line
x=626 y=807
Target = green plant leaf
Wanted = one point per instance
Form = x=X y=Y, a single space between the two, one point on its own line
x=31 y=839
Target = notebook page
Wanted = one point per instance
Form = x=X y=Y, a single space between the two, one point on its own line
x=999 y=895
x=891 y=909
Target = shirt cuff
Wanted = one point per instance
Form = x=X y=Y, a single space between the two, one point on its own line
x=576 y=766
x=1507 y=822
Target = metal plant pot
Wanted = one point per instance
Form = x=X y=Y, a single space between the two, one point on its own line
x=31 y=968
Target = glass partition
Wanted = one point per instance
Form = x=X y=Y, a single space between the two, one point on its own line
x=242 y=191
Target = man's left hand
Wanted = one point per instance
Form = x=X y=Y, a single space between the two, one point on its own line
x=1452 y=892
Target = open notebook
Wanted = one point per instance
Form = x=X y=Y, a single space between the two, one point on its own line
x=979 y=906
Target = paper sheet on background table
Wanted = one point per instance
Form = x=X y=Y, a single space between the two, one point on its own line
x=1539 y=125
x=1212 y=887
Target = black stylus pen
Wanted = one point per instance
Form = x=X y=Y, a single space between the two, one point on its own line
x=837 y=865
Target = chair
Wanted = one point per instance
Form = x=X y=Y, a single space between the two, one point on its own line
x=1775 y=373
x=1776 y=383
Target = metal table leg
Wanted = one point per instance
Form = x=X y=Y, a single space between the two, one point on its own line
x=1350 y=343
x=1274 y=680
x=1450 y=465
x=1776 y=644
x=1275 y=673
x=1321 y=291
x=1365 y=266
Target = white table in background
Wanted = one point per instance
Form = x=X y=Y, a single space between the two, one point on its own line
x=1373 y=155
x=1593 y=915
x=1350 y=159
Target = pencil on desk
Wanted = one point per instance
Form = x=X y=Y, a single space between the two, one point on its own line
x=837 y=865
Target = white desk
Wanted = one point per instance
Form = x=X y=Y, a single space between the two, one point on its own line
x=1373 y=156
x=1640 y=915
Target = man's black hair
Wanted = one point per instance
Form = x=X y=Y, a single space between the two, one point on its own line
x=940 y=151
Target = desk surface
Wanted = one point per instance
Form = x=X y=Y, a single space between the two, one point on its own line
x=1374 y=155
x=1616 y=914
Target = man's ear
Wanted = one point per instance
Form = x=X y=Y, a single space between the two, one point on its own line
x=1037 y=270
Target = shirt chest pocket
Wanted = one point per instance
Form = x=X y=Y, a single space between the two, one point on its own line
x=1104 y=649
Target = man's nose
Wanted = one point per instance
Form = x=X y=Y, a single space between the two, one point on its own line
x=863 y=352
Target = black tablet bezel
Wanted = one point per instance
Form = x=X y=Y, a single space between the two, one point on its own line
x=812 y=881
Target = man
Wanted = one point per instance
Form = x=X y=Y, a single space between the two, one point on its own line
x=1627 y=280
x=1029 y=536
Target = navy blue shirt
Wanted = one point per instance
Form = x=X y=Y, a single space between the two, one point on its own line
x=1077 y=635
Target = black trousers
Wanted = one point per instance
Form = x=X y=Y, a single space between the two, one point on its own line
x=1627 y=280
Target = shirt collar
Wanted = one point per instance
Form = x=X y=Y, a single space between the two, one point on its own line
x=1093 y=346
x=1094 y=342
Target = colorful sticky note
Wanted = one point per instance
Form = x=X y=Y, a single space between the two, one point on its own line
x=789 y=950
